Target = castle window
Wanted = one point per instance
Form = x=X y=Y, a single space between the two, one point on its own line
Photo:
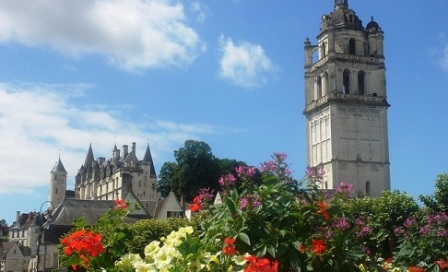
x=361 y=82
x=368 y=189
x=319 y=88
x=56 y=191
x=352 y=46
x=346 y=82
x=325 y=84
x=170 y=214
x=323 y=51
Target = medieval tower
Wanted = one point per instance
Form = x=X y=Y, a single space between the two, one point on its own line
x=58 y=184
x=346 y=103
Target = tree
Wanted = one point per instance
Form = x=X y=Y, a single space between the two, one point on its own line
x=439 y=200
x=166 y=175
x=384 y=214
x=195 y=167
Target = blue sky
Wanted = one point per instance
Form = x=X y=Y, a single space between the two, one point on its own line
x=229 y=73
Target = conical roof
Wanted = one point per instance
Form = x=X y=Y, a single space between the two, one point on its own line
x=59 y=167
x=89 y=158
x=148 y=159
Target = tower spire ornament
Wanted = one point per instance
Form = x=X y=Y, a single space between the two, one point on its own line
x=346 y=103
x=340 y=4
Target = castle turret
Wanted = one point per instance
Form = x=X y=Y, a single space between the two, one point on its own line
x=58 y=184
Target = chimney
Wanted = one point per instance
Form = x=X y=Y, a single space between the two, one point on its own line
x=17 y=216
x=125 y=151
x=133 y=147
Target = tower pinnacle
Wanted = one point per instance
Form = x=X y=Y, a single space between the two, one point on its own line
x=338 y=4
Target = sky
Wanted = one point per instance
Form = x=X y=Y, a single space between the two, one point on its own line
x=226 y=72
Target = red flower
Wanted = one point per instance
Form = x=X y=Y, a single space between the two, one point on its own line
x=318 y=246
x=120 y=204
x=323 y=210
x=442 y=264
x=229 y=248
x=302 y=248
x=229 y=240
x=197 y=204
x=415 y=269
x=86 y=244
x=195 y=207
x=260 y=265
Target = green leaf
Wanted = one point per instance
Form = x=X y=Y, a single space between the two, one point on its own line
x=231 y=205
x=244 y=237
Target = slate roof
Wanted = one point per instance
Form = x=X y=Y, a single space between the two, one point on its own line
x=59 y=167
x=91 y=210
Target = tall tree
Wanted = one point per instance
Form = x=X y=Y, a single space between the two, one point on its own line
x=195 y=167
x=165 y=177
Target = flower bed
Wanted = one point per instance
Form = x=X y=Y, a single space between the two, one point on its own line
x=276 y=224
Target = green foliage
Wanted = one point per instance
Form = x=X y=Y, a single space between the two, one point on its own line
x=166 y=176
x=114 y=237
x=196 y=167
x=439 y=200
x=276 y=219
x=145 y=231
x=384 y=214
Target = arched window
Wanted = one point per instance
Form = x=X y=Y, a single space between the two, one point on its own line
x=325 y=84
x=361 y=82
x=324 y=50
x=319 y=88
x=352 y=46
x=368 y=189
x=346 y=82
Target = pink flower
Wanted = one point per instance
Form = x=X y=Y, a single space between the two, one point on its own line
x=315 y=172
x=206 y=194
x=243 y=203
x=344 y=188
x=251 y=201
x=244 y=171
x=227 y=180
x=341 y=223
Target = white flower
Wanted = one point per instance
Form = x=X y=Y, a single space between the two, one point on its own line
x=128 y=259
x=152 y=248
x=141 y=266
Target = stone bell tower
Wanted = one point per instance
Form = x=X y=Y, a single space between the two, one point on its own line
x=346 y=103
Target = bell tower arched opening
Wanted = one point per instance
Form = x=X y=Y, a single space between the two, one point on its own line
x=361 y=82
x=352 y=46
x=346 y=82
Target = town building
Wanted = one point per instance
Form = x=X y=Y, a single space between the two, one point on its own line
x=14 y=257
x=98 y=183
x=346 y=103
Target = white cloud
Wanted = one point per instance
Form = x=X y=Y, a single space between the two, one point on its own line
x=245 y=64
x=439 y=53
x=131 y=34
x=200 y=10
x=36 y=121
x=444 y=59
